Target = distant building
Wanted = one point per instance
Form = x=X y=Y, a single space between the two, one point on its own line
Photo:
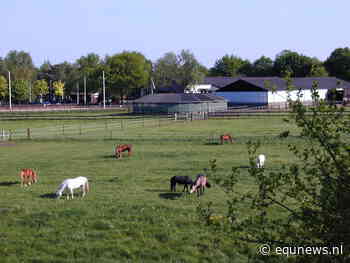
x=273 y=90
x=179 y=103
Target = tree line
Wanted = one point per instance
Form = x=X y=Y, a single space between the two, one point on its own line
x=128 y=72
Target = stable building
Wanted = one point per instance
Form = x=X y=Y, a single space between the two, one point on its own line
x=273 y=90
x=179 y=103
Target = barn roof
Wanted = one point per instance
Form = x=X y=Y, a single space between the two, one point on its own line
x=280 y=83
x=179 y=98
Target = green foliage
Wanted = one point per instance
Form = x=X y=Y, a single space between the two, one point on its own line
x=20 y=90
x=262 y=67
x=4 y=89
x=90 y=67
x=40 y=88
x=311 y=195
x=338 y=63
x=318 y=70
x=126 y=72
x=58 y=88
x=289 y=61
x=230 y=66
x=183 y=69
x=20 y=64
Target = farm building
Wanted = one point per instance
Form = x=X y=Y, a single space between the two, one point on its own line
x=179 y=103
x=272 y=90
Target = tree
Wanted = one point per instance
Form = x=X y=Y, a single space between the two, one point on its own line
x=262 y=67
x=292 y=62
x=338 y=63
x=230 y=66
x=59 y=88
x=3 y=87
x=318 y=70
x=183 y=69
x=90 y=67
x=305 y=204
x=20 y=64
x=127 y=72
x=20 y=90
x=40 y=88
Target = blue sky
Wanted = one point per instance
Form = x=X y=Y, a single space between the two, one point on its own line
x=64 y=30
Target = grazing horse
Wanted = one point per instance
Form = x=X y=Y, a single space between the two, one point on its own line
x=199 y=185
x=71 y=184
x=260 y=161
x=185 y=180
x=123 y=148
x=28 y=177
x=225 y=137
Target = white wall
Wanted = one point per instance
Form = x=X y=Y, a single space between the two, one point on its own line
x=244 y=97
x=198 y=88
x=281 y=96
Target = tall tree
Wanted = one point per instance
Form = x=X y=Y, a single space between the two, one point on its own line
x=20 y=64
x=183 y=69
x=230 y=66
x=58 y=87
x=338 y=63
x=294 y=63
x=127 y=72
x=40 y=88
x=262 y=67
x=20 y=90
x=89 y=67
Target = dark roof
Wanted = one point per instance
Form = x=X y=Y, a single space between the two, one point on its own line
x=179 y=98
x=172 y=88
x=280 y=83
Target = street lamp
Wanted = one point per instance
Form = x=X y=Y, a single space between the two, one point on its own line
x=10 y=102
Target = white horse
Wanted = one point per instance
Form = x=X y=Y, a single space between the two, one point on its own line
x=71 y=184
x=260 y=161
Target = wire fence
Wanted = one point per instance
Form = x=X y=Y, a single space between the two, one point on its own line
x=102 y=128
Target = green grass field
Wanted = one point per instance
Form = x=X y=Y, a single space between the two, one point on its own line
x=129 y=215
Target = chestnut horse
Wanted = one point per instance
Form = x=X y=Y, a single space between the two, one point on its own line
x=123 y=148
x=225 y=137
x=28 y=177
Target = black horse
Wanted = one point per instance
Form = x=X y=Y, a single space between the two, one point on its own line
x=185 y=180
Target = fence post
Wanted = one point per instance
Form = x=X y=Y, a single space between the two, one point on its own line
x=122 y=124
x=2 y=134
x=10 y=135
x=28 y=133
x=80 y=131
x=63 y=129
x=106 y=125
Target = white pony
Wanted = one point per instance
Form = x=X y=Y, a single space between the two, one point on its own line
x=260 y=161
x=73 y=184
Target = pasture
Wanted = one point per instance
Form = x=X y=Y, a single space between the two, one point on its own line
x=129 y=215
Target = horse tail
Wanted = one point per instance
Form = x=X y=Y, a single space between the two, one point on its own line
x=208 y=184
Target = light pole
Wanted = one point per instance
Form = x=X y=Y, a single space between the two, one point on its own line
x=104 y=89
x=10 y=101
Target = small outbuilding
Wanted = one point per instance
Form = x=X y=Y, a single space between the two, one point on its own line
x=179 y=103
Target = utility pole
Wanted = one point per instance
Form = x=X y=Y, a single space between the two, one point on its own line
x=84 y=90
x=10 y=102
x=78 y=93
x=104 y=89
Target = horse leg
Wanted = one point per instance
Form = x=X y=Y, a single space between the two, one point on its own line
x=83 y=189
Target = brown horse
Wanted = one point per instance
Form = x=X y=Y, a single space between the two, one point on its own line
x=225 y=137
x=28 y=177
x=123 y=148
